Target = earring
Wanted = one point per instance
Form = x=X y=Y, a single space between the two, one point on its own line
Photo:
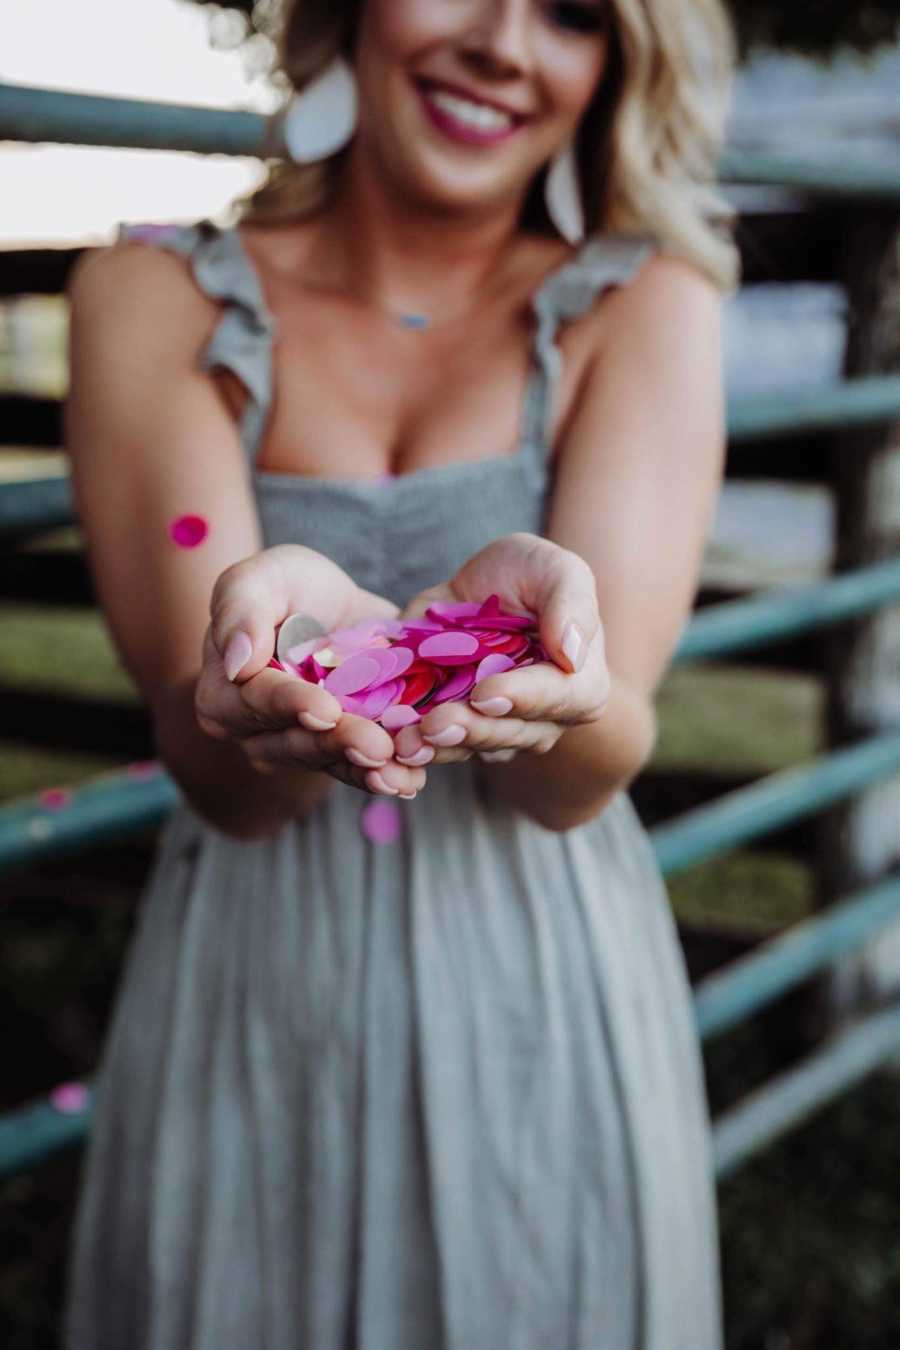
x=322 y=118
x=562 y=195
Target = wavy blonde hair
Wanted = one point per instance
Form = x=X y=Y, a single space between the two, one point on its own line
x=647 y=147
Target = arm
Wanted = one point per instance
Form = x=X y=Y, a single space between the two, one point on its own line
x=636 y=487
x=149 y=440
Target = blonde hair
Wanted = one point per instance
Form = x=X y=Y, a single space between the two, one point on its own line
x=647 y=146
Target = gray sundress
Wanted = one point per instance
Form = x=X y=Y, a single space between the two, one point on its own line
x=435 y=1091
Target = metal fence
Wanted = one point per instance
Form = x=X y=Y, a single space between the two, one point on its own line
x=118 y=805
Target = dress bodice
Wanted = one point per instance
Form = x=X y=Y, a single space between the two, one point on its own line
x=397 y=534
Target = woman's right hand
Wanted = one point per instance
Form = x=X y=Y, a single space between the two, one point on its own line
x=278 y=720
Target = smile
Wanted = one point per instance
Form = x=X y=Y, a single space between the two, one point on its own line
x=465 y=119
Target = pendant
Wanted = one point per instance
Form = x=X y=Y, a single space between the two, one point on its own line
x=413 y=320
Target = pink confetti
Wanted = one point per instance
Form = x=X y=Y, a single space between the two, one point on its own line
x=54 y=799
x=494 y=664
x=393 y=671
x=354 y=674
x=453 y=644
x=143 y=768
x=189 y=531
x=69 y=1098
x=381 y=822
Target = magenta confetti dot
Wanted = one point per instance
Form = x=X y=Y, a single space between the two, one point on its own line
x=454 y=644
x=189 y=531
x=54 y=799
x=381 y=822
x=143 y=768
x=352 y=675
x=494 y=664
x=458 y=685
x=69 y=1098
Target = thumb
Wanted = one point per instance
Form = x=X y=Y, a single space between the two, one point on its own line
x=569 y=617
x=245 y=610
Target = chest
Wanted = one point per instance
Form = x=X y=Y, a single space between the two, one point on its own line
x=354 y=395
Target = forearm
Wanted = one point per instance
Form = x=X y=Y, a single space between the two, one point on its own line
x=219 y=781
x=585 y=769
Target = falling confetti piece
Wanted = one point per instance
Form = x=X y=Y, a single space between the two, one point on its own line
x=381 y=822
x=189 y=531
x=69 y=1098
x=54 y=799
x=143 y=768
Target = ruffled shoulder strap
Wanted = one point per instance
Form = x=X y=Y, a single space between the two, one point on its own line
x=605 y=260
x=242 y=341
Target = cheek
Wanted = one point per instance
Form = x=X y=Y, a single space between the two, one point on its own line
x=398 y=28
x=574 y=76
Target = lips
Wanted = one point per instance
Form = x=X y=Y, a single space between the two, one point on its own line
x=465 y=117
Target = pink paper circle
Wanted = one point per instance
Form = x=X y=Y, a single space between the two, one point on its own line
x=381 y=822
x=54 y=799
x=453 y=644
x=458 y=685
x=352 y=675
x=494 y=664
x=143 y=768
x=69 y=1098
x=189 y=531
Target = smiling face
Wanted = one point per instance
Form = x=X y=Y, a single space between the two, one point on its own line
x=461 y=102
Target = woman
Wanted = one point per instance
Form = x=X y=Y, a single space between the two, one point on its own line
x=404 y=1054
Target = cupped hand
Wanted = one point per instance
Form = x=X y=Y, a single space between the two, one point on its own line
x=527 y=709
x=277 y=719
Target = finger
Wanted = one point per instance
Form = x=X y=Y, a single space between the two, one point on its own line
x=253 y=596
x=270 y=751
x=543 y=692
x=566 y=602
x=459 y=727
x=416 y=607
x=395 y=780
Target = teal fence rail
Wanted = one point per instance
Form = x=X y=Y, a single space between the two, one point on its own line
x=120 y=804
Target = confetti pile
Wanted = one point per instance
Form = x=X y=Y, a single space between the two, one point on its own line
x=393 y=672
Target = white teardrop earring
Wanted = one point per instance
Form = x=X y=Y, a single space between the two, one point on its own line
x=562 y=195
x=322 y=117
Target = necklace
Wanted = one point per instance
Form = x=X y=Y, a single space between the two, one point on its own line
x=413 y=320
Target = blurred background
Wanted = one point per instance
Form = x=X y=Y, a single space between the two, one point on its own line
x=810 y=1224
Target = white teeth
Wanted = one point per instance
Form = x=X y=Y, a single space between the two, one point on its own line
x=476 y=115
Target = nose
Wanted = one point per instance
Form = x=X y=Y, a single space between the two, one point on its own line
x=497 y=40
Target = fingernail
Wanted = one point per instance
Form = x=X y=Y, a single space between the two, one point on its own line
x=315 y=723
x=451 y=735
x=493 y=707
x=237 y=654
x=364 y=761
x=382 y=786
x=573 y=644
x=423 y=756
x=407 y=796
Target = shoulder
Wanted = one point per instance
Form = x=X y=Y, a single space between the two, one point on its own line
x=142 y=290
x=665 y=290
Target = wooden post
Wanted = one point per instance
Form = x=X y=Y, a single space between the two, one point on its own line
x=859 y=840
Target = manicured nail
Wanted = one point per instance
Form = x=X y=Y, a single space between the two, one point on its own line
x=237 y=654
x=315 y=723
x=573 y=645
x=493 y=707
x=423 y=756
x=451 y=735
x=382 y=786
x=364 y=761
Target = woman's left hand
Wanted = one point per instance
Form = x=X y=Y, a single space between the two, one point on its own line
x=530 y=708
